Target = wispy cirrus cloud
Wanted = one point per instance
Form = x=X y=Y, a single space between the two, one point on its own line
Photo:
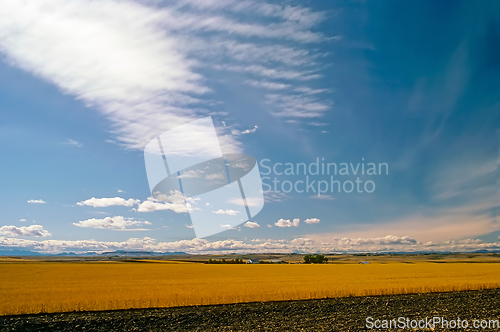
x=139 y=64
x=303 y=16
x=264 y=72
x=287 y=56
x=297 y=106
x=72 y=142
x=318 y=124
x=115 y=56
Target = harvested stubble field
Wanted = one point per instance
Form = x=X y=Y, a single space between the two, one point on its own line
x=28 y=287
x=339 y=314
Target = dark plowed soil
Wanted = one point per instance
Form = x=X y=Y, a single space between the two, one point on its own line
x=342 y=314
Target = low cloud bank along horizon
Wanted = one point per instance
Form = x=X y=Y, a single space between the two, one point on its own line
x=387 y=243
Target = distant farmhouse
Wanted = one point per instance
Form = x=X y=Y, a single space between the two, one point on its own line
x=271 y=261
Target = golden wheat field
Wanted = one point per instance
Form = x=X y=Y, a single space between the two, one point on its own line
x=33 y=287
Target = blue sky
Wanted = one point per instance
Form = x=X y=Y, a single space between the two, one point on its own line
x=85 y=85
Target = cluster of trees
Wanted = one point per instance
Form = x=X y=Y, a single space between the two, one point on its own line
x=224 y=261
x=318 y=259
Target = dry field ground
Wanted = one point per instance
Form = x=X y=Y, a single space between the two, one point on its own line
x=338 y=314
x=36 y=286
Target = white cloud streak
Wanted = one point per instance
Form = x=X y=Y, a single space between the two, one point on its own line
x=322 y=197
x=36 y=201
x=226 y=212
x=297 y=106
x=72 y=142
x=114 y=223
x=113 y=55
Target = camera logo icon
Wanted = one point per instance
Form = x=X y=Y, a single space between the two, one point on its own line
x=185 y=165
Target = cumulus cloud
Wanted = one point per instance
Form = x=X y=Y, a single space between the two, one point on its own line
x=312 y=221
x=228 y=212
x=252 y=224
x=115 y=223
x=104 y=202
x=152 y=204
x=32 y=230
x=36 y=201
x=287 y=223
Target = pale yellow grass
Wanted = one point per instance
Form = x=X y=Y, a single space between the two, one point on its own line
x=32 y=287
